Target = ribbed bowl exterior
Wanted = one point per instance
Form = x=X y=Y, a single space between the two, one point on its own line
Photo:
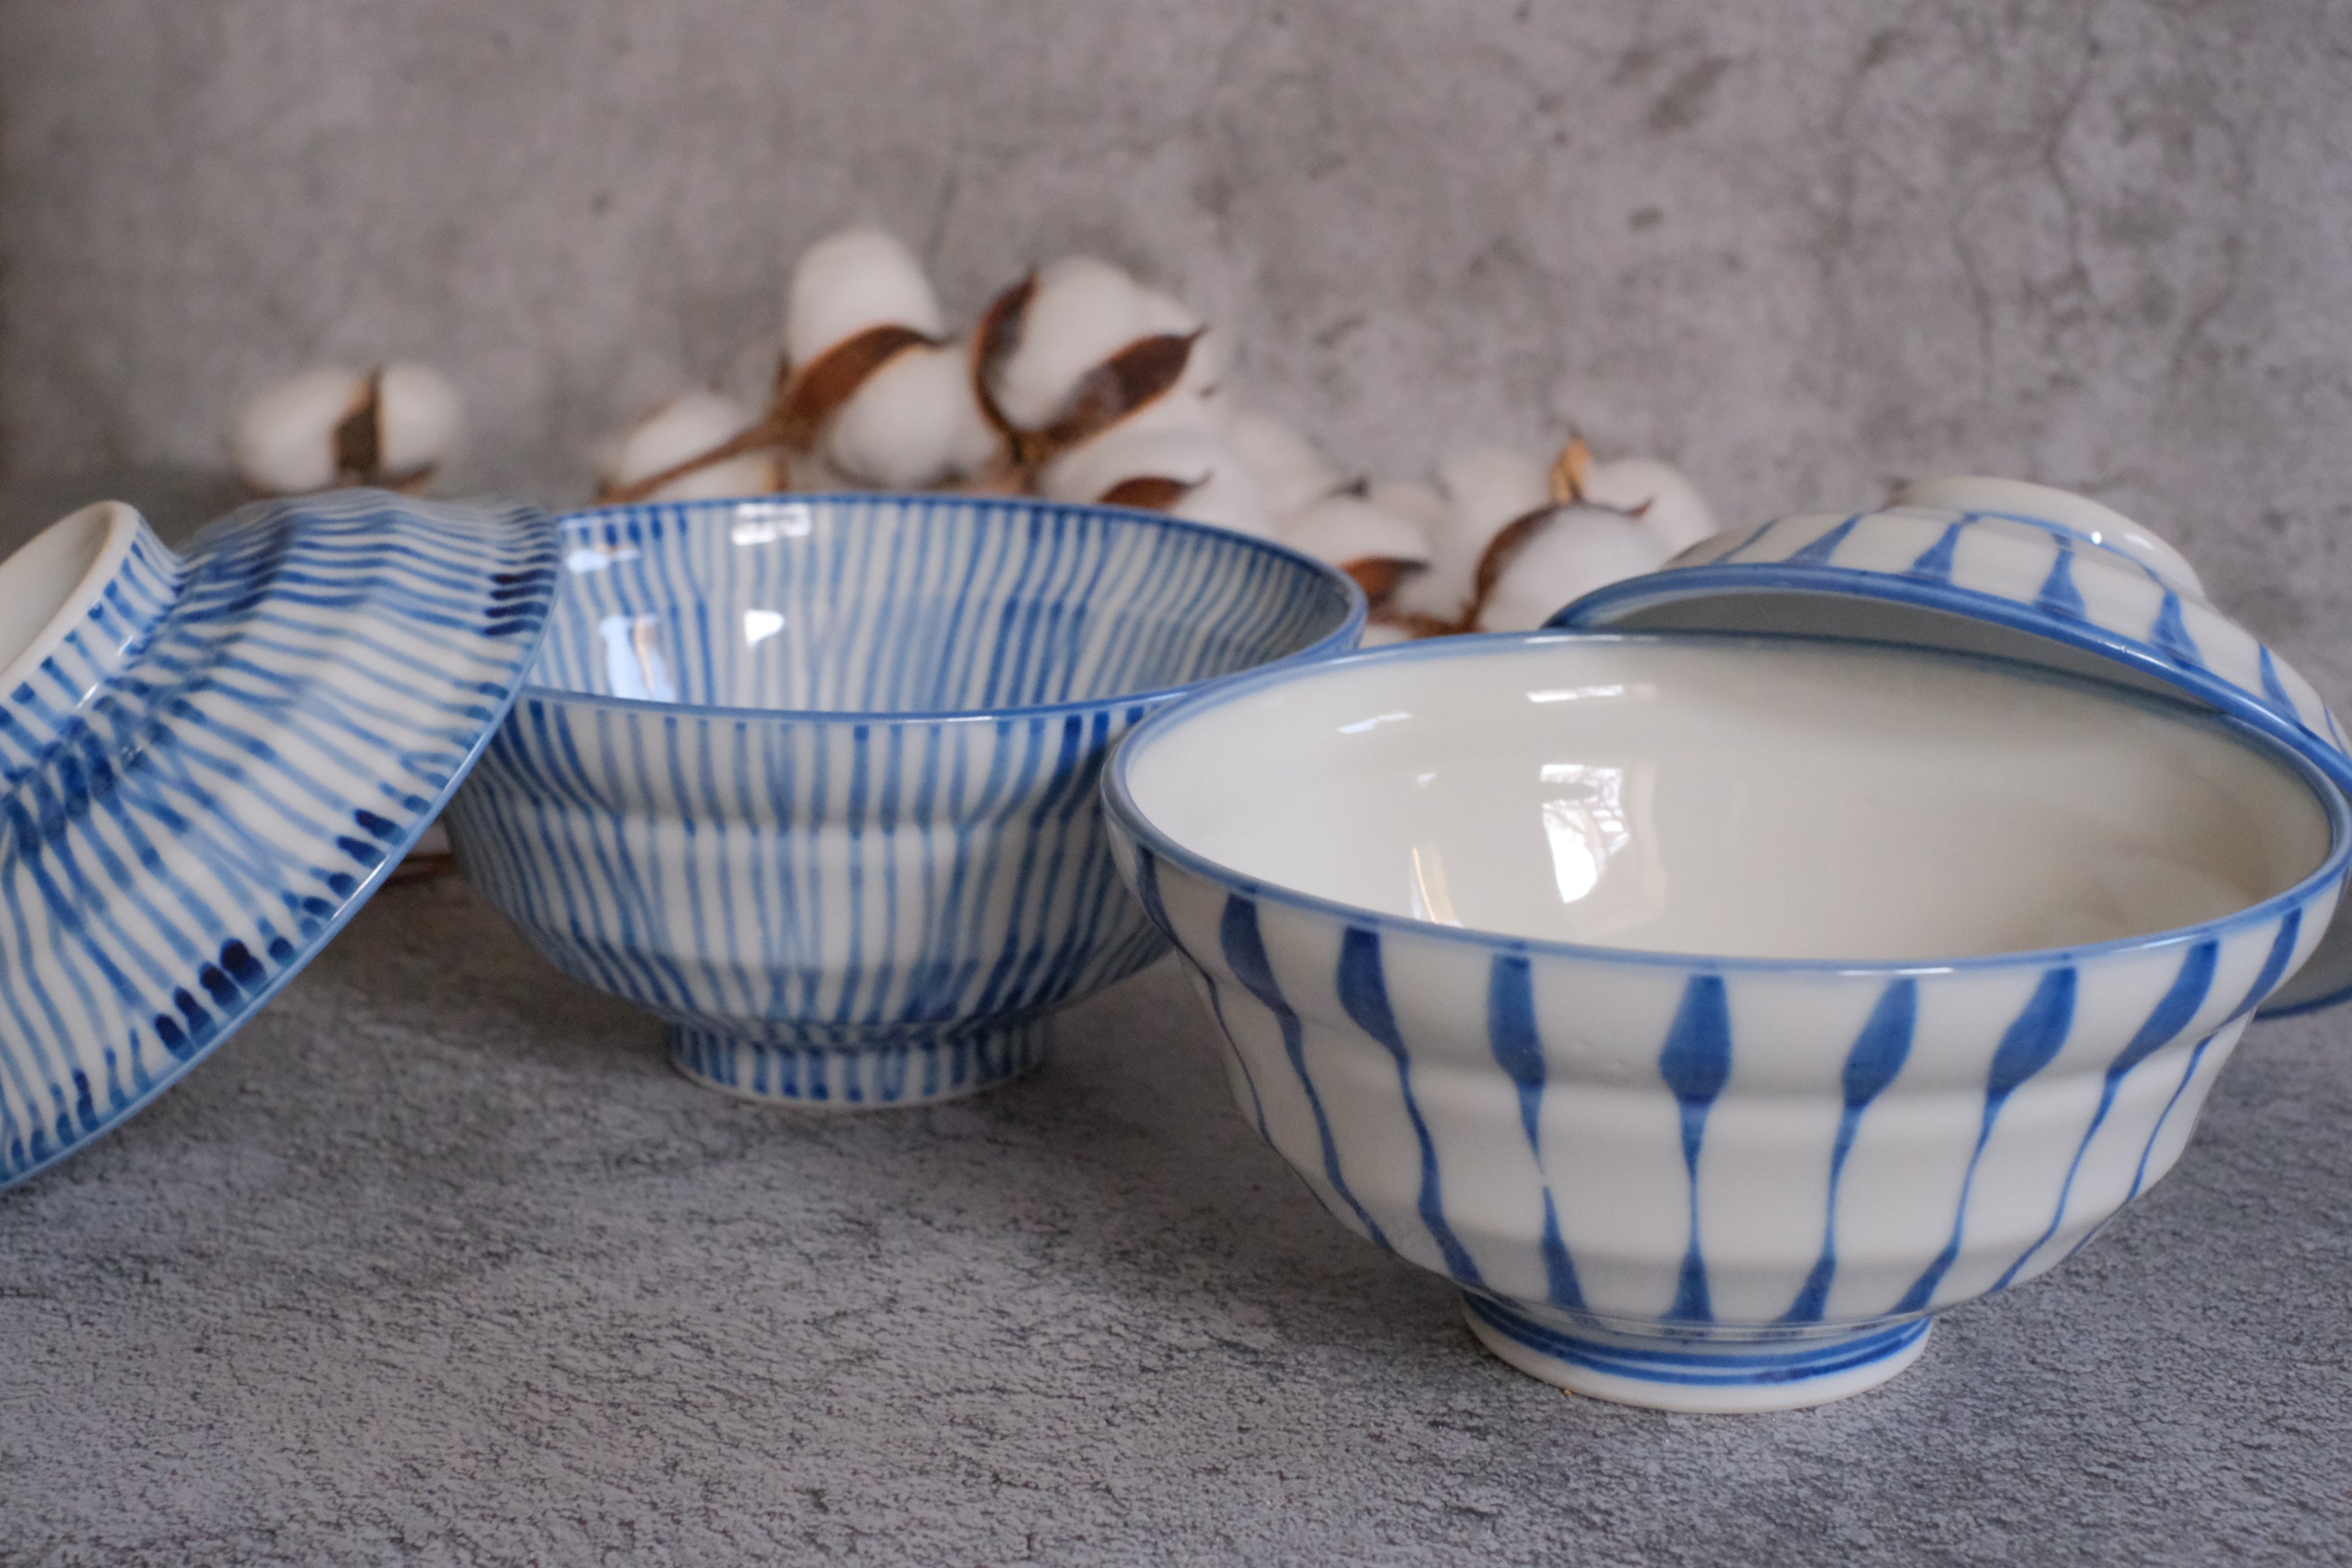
x=1652 y=1142
x=867 y=906
x=218 y=763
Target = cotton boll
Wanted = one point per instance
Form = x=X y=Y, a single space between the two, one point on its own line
x=1579 y=549
x=1177 y=409
x=1406 y=498
x=1490 y=486
x=417 y=417
x=1082 y=312
x=1229 y=498
x=284 y=439
x=1219 y=491
x=1086 y=471
x=1486 y=488
x=1675 y=511
x=912 y=423
x=684 y=427
x=1342 y=529
x=849 y=281
x=1290 y=473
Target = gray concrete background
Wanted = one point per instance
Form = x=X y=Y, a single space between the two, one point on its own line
x=435 y=1261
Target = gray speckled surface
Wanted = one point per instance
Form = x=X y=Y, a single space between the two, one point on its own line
x=436 y=1261
x=439 y=1260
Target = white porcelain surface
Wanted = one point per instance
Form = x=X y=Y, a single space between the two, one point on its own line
x=1788 y=800
x=2008 y=568
x=1742 y=1176
x=2100 y=525
x=48 y=585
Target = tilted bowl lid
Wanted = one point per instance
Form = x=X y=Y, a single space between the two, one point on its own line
x=210 y=758
x=2023 y=570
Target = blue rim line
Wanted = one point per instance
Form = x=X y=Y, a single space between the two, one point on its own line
x=1119 y=802
x=1335 y=641
x=1729 y=1367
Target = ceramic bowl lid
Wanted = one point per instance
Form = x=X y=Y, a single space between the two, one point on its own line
x=2017 y=570
x=209 y=759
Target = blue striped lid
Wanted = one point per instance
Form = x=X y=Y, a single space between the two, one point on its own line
x=209 y=758
x=2005 y=567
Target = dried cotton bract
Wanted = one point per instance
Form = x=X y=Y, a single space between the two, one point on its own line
x=396 y=426
x=1185 y=473
x=676 y=431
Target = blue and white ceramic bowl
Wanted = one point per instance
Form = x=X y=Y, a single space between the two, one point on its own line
x=1714 y=1010
x=211 y=756
x=813 y=778
x=2013 y=569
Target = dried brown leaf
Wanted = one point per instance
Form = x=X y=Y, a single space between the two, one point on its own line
x=1144 y=370
x=1418 y=624
x=1153 y=492
x=1379 y=575
x=1568 y=471
x=761 y=437
x=813 y=393
x=1508 y=541
x=359 y=438
x=993 y=342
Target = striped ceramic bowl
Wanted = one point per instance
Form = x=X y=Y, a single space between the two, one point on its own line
x=813 y=778
x=1713 y=1011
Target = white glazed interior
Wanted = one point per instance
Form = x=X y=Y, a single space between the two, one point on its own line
x=879 y=604
x=51 y=580
x=1793 y=800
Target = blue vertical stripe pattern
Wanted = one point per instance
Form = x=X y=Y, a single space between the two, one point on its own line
x=1878 y=1053
x=814 y=779
x=2024 y=575
x=2026 y=1047
x=1697 y=1064
x=1364 y=997
x=1683 y=1173
x=199 y=785
x=1519 y=1049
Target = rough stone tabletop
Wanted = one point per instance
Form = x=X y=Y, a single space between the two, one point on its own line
x=437 y=1262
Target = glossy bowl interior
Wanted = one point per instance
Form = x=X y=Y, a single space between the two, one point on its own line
x=1741 y=798
x=882 y=605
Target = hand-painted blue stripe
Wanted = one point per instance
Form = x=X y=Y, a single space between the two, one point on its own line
x=1722 y=1364
x=1820 y=550
x=2026 y=1046
x=1364 y=996
x=2273 y=686
x=2059 y=595
x=1878 y=1055
x=1517 y=1045
x=200 y=783
x=2171 y=633
x=2174 y=1013
x=1697 y=1064
x=1935 y=560
x=1245 y=952
x=2282 y=946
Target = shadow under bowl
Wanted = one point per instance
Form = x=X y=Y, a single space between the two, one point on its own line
x=1714 y=1010
x=813 y=778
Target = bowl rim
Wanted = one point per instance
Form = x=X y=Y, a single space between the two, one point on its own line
x=1126 y=816
x=1338 y=640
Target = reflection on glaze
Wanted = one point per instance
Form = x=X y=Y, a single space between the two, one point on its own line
x=634 y=665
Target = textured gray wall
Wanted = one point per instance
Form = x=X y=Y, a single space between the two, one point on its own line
x=1802 y=246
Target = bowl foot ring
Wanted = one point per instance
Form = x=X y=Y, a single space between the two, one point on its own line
x=918 y=1067
x=1689 y=1375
